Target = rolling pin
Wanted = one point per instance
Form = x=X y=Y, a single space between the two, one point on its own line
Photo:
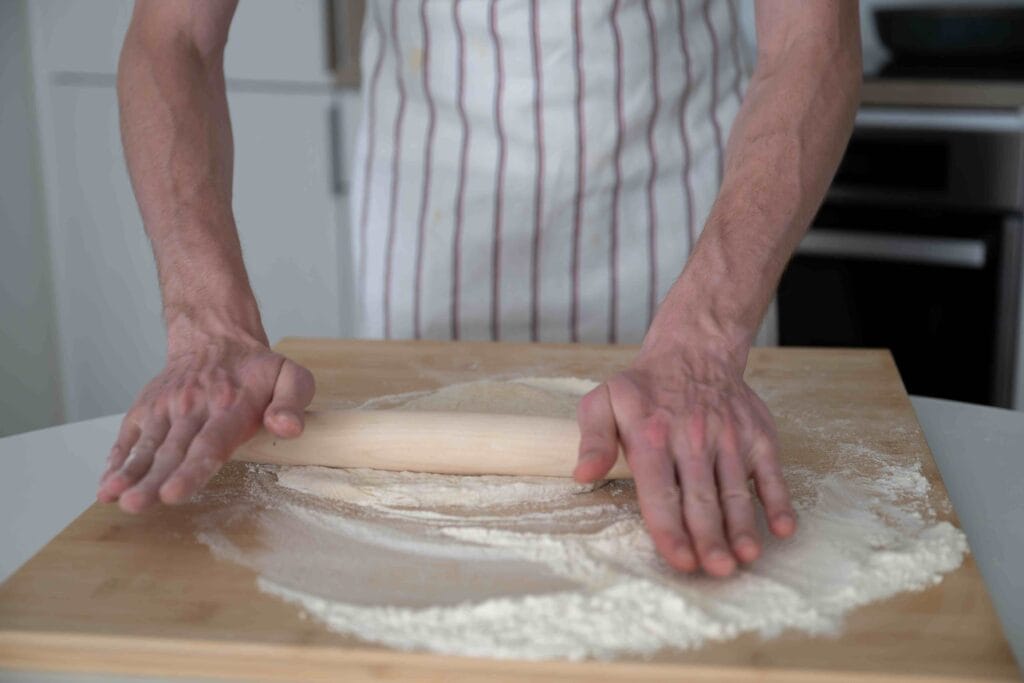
x=421 y=441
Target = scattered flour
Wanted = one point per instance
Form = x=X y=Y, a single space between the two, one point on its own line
x=390 y=490
x=537 y=568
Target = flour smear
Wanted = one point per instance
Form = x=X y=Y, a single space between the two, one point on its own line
x=541 y=568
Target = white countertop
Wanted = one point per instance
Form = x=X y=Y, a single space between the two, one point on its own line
x=51 y=474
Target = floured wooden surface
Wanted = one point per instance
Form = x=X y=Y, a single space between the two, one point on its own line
x=139 y=582
x=542 y=568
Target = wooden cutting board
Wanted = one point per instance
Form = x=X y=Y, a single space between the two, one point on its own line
x=117 y=593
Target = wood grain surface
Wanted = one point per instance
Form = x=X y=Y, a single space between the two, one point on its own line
x=138 y=594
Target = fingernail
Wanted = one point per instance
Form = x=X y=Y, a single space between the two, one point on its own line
x=718 y=555
x=287 y=416
x=746 y=548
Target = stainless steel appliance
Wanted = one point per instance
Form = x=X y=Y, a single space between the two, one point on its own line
x=917 y=248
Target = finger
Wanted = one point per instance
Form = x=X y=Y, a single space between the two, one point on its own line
x=211 y=448
x=166 y=459
x=737 y=501
x=660 y=505
x=139 y=458
x=772 y=489
x=701 y=507
x=293 y=391
x=599 y=438
x=127 y=435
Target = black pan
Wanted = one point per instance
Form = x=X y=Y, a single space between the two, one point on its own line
x=967 y=32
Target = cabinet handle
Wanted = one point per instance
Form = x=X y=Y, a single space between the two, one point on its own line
x=939 y=251
x=338 y=185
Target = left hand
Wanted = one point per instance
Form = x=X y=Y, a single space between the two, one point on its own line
x=694 y=433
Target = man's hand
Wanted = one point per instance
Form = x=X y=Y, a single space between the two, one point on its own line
x=185 y=424
x=693 y=433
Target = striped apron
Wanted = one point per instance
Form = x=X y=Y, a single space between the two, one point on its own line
x=536 y=170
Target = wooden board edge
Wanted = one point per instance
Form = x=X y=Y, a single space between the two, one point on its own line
x=87 y=653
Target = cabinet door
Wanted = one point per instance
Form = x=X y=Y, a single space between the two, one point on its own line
x=271 y=40
x=111 y=337
x=108 y=304
x=288 y=210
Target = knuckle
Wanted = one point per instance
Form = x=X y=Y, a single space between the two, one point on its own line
x=737 y=494
x=185 y=400
x=703 y=497
x=764 y=445
x=146 y=444
x=171 y=447
x=654 y=431
x=203 y=445
x=666 y=495
x=223 y=394
x=694 y=431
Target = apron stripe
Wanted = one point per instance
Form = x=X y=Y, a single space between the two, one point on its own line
x=613 y=299
x=652 y=226
x=393 y=208
x=691 y=229
x=577 y=217
x=371 y=137
x=499 y=189
x=714 y=87
x=428 y=156
x=583 y=266
x=538 y=192
x=460 y=194
x=737 y=54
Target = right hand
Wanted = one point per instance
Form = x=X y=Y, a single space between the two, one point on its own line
x=191 y=417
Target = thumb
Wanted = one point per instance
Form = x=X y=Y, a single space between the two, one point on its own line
x=293 y=391
x=599 y=437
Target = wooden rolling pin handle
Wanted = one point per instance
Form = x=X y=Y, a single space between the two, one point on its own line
x=420 y=441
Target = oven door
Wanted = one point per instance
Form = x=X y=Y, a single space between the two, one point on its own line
x=938 y=289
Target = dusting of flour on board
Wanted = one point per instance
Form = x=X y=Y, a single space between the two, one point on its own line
x=538 y=568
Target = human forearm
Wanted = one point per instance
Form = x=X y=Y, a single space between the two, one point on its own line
x=220 y=382
x=177 y=139
x=783 y=151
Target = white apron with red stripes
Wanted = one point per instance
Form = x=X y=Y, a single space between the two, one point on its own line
x=536 y=170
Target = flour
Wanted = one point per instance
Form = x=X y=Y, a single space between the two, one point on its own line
x=536 y=568
x=393 y=491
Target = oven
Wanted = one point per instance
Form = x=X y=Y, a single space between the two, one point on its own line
x=917 y=248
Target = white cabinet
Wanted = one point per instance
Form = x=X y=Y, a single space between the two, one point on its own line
x=270 y=40
x=108 y=306
x=287 y=208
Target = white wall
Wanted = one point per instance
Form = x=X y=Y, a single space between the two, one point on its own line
x=29 y=395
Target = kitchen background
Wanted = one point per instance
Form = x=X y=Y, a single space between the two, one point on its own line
x=917 y=248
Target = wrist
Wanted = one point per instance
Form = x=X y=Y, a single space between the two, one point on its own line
x=692 y=317
x=190 y=327
x=699 y=335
